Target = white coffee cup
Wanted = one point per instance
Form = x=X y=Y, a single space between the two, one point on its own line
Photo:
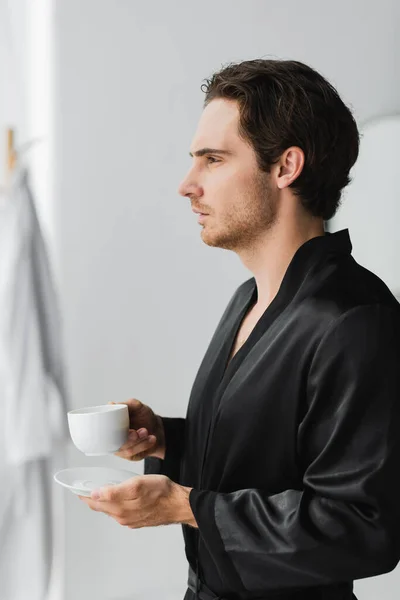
x=99 y=430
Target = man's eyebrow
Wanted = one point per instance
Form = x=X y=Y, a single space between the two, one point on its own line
x=203 y=151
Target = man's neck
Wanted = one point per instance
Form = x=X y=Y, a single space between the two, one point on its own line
x=269 y=259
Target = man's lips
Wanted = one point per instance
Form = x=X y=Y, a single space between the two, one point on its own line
x=198 y=212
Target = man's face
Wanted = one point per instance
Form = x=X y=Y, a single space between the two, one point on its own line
x=238 y=199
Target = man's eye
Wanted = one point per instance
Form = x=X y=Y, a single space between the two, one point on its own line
x=212 y=159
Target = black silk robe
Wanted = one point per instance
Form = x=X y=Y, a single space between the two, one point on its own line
x=293 y=450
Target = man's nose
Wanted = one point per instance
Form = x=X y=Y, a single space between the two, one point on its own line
x=189 y=187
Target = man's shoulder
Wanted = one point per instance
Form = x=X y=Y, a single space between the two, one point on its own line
x=342 y=301
x=349 y=296
x=348 y=287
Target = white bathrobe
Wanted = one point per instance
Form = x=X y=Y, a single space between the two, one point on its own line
x=33 y=404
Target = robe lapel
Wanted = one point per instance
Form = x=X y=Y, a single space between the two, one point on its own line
x=204 y=395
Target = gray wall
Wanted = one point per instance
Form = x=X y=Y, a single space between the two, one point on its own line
x=141 y=293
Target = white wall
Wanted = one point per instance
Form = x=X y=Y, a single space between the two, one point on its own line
x=141 y=293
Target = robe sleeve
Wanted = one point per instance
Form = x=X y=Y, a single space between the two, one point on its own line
x=170 y=465
x=344 y=522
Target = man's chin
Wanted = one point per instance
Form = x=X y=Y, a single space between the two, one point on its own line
x=215 y=241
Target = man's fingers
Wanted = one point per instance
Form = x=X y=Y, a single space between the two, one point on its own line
x=135 y=448
x=134 y=438
x=114 y=495
x=108 y=509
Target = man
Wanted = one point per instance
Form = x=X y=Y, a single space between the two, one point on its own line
x=284 y=473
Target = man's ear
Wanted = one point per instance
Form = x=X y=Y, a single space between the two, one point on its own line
x=289 y=166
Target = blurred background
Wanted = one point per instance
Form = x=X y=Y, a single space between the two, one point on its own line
x=104 y=98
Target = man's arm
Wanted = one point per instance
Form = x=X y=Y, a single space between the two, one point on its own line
x=170 y=465
x=344 y=523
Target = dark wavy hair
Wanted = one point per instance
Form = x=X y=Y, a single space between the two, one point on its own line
x=285 y=103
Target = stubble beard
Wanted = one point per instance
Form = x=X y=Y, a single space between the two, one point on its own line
x=241 y=229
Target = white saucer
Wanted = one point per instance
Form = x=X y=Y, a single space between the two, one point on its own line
x=83 y=480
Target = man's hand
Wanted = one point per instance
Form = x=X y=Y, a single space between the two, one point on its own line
x=146 y=433
x=144 y=501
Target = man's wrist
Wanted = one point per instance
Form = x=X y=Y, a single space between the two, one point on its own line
x=182 y=511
